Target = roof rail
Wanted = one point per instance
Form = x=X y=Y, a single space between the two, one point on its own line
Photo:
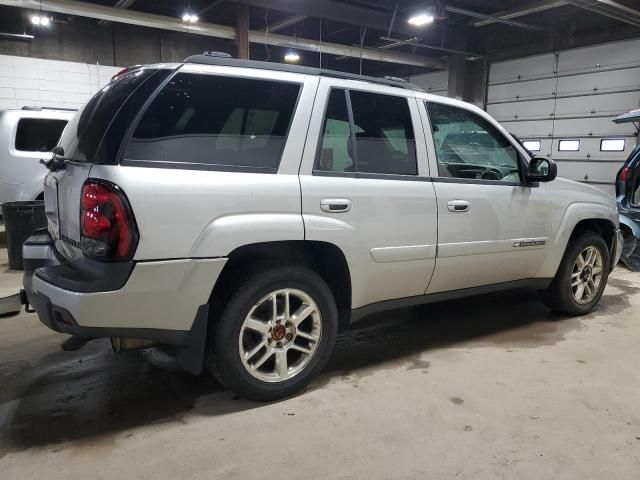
x=38 y=109
x=283 y=67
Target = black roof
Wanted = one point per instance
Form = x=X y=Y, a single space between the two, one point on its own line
x=283 y=67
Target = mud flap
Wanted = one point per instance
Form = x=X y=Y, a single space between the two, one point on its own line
x=190 y=356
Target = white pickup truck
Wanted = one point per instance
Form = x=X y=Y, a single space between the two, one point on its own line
x=244 y=212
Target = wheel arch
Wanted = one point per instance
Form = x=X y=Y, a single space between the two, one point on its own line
x=578 y=218
x=324 y=258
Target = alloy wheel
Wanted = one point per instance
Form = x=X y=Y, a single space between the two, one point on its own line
x=586 y=275
x=280 y=335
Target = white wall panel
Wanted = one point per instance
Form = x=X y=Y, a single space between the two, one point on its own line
x=26 y=81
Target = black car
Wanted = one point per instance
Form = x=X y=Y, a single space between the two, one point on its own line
x=625 y=177
x=628 y=196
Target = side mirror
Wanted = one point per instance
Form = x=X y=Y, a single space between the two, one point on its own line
x=542 y=170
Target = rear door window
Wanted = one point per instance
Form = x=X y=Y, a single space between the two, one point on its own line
x=336 y=153
x=384 y=134
x=38 y=134
x=228 y=123
x=380 y=139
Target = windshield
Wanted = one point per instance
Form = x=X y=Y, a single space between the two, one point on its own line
x=82 y=136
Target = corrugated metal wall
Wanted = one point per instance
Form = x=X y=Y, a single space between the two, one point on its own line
x=571 y=95
x=28 y=81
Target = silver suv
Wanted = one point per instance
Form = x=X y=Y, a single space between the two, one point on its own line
x=245 y=212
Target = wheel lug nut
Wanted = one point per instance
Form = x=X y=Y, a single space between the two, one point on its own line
x=279 y=344
x=289 y=336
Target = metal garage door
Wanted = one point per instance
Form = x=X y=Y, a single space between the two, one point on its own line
x=567 y=102
x=436 y=82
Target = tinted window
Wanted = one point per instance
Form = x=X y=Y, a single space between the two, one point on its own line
x=82 y=139
x=383 y=139
x=635 y=196
x=209 y=120
x=468 y=146
x=37 y=134
x=335 y=153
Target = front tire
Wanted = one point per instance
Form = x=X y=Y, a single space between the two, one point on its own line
x=275 y=333
x=581 y=277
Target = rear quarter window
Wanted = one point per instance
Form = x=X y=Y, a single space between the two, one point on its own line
x=38 y=134
x=216 y=122
x=88 y=127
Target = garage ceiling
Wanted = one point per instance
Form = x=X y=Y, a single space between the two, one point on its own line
x=497 y=29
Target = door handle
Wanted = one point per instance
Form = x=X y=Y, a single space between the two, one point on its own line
x=335 y=205
x=458 y=206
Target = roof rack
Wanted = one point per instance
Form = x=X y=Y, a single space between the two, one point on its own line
x=209 y=59
x=38 y=109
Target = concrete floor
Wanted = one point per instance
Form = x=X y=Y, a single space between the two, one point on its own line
x=484 y=388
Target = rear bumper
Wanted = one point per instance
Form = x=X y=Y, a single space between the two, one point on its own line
x=163 y=301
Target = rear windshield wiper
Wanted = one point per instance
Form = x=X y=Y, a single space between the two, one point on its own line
x=58 y=161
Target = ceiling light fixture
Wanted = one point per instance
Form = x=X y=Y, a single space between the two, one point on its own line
x=38 y=20
x=420 y=19
x=291 y=57
x=189 y=18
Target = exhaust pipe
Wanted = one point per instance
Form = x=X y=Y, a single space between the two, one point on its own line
x=123 y=344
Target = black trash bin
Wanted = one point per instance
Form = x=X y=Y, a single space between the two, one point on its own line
x=21 y=219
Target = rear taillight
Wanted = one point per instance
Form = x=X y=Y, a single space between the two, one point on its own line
x=108 y=229
x=624 y=174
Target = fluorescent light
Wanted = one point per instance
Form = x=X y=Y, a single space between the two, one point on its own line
x=569 y=145
x=420 y=20
x=189 y=17
x=532 y=145
x=292 y=57
x=612 y=145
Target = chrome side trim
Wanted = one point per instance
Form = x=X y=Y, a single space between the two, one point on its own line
x=490 y=246
x=403 y=254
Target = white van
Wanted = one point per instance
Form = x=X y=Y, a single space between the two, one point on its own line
x=26 y=136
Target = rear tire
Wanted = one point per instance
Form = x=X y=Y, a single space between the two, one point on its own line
x=264 y=353
x=581 y=277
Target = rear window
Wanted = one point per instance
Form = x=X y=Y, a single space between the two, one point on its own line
x=211 y=121
x=87 y=128
x=38 y=134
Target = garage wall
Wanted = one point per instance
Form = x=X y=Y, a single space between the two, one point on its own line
x=436 y=82
x=571 y=95
x=49 y=83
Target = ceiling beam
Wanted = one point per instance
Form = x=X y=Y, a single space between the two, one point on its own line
x=100 y=12
x=337 y=12
x=413 y=41
x=213 y=4
x=287 y=22
x=119 y=4
x=484 y=16
x=622 y=8
x=606 y=10
x=521 y=11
